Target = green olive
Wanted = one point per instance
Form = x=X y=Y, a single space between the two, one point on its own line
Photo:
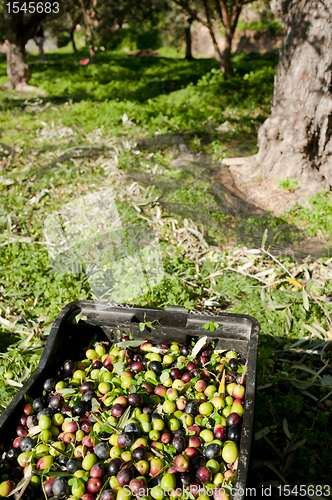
x=78 y=489
x=100 y=350
x=144 y=418
x=168 y=359
x=168 y=482
x=45 y=422
x=60 y=385
x=115 y=452
x=157 y=493
x=57 y=446
x=226 y=411
x=154 y=435
x=238 y=408
x=57 y=419
x=158 y=424
x=79 y=435
x=206 y=408
x=229 y=400
x=207 y=435
x=213 y=466
x=169 y=406
x=95 y=374
x=230 y=452
x=174 y=424
x=89 y=461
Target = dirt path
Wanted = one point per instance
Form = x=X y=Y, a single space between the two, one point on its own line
x=264 y=193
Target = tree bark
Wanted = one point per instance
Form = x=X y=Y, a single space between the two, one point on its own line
x=40 y=43
x=72 y=38
x=20 y=28
x=228 y=38
x=189 y=55
x=88 y=24
x=296 y=140
x=209 y=24
x=17 y=68
x=228 y=53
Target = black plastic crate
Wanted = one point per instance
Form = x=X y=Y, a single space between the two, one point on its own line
x=235 y=331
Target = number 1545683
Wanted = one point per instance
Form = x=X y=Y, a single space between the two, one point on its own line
x=32 y=7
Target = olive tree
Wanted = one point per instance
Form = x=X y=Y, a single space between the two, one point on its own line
x=211 y=12
x=296 y=139
x=23 y=20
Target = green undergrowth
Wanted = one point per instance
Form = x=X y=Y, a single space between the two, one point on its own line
x=272 y=27
x=189 y=95
x=137 y=100
x=315 y=218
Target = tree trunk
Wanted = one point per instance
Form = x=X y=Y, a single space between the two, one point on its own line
x=209 y=24
x=72 y=38
x=17 y=68
x=88 y=24
x=228 y=53
x=40 y=43
x=296 y=140
x=217 y=53
x=189 y=55
x=225 y=18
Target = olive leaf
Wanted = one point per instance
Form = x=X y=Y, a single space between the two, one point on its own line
x=159 y=409
x=300 y=384
x=292 y=281
x=49 y=443
x=124 y=419
x=118 y=367
x=305 y=300
x=297 y=445
x=286 y=428
x=198 y=346
x=34 y=430
x=326 y=381
x=114 y=429
x=130 y=343
x=59 y=474
x=263 y=432
x=264 y=238
x=157 y=350
x=189 y=384
x=24 y=483
x=65 y=392
x=313 y=330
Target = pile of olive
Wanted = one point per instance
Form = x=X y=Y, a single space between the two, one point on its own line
x=147 y=422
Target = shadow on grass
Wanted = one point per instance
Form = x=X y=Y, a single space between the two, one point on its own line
x=6 y=339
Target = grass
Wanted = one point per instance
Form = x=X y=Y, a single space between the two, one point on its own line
x=315 y=219
x=129 y=109
x=289 y=183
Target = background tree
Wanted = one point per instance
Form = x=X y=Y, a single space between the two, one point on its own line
x=296 y=140
x=67 y=23
x=209 y=14
x=189 y=54
x=22 y=26
x=176 y=29
x=89 y=10
x=140 y=16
